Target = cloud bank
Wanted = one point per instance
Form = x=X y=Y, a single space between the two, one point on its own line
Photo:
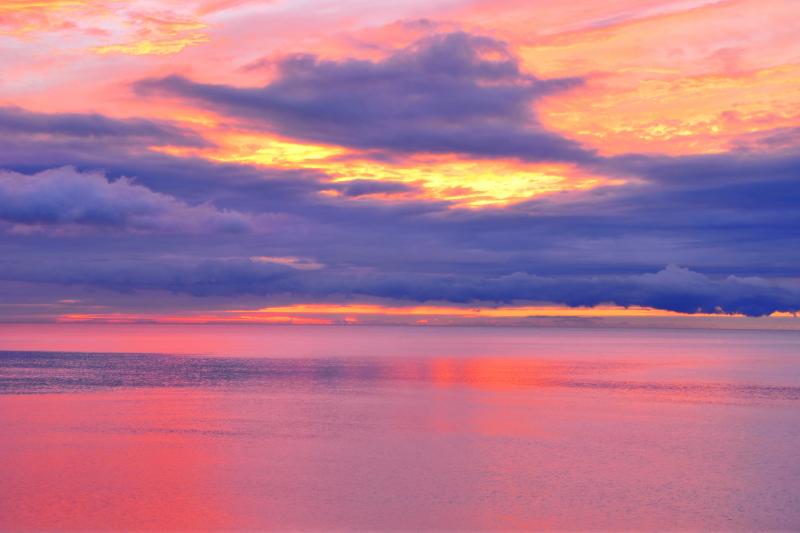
x=672 y=288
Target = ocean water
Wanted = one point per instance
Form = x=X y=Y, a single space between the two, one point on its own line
x=325 y=428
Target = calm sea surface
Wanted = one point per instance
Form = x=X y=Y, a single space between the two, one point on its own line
x=327 y=428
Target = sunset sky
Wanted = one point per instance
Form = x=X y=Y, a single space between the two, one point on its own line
x=420 y=162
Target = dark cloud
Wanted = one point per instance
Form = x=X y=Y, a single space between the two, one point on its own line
x=450 y=93
x=193 y=180
x=21 y=122
x=355 y=188
x=672 y=288
x=703 y=171
x=772 y=139
x=64 y=199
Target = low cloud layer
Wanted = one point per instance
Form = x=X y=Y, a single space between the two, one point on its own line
x=672 y=288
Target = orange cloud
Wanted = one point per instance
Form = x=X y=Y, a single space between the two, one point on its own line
x=20 y=17
x=669 y=82
x=162 y=33
x=131 y=29
x=158 y=47
x=679 y=115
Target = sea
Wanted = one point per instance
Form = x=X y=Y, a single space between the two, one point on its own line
x=323 y=428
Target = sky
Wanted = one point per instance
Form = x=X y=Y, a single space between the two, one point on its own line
x=511 y=162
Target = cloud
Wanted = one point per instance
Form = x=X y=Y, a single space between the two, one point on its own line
x=21 y=122
x=773 y=139
x=158 y=33
x=20 y=18
x=711 y=170
x=65 y=198
x=298 y=263
x=361 y=187
x=672 y=288
x=447 y=93
x=719 y=214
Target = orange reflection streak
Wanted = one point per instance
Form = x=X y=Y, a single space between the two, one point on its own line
x=493 y=373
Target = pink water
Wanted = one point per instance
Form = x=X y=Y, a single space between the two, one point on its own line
x=321 y=428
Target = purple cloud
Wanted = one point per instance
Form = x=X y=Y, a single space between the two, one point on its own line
x=448 y=93
x=64 y=198
x=22 y=122
x=672 y=288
